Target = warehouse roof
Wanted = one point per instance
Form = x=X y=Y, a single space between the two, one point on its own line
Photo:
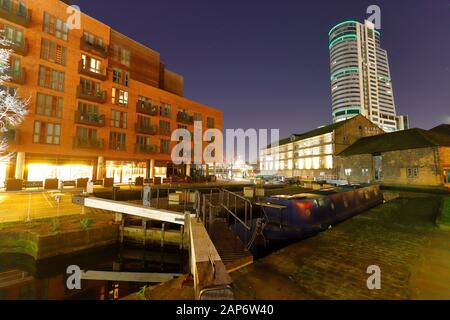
x=400 y=140
x=313 y=133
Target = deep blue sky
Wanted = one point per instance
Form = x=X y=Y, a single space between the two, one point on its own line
x=265 y=64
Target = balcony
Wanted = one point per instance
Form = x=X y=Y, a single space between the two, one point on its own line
x=90 y=72
x=146 y=108
x=99 y=50
x=146 y=148
x=16 y=13
x=20 y=48
x=93 y=119
x=146 y=129
x=83 y=143
x=16 y=76
x=183 y=117
x=118 y=147
x=91 y=95
x=11 y=136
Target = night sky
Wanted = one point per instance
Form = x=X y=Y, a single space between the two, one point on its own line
x=265 y=64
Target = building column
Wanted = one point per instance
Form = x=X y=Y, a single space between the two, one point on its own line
x=100 y=168
x=147 y=169
x=152 y=169
x=188 y=169
x=20 y=165
x=214 y=169
x=207 y=170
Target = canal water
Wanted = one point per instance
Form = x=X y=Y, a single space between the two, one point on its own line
x=22 y=278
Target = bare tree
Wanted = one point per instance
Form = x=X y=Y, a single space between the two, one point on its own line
x=12 y=108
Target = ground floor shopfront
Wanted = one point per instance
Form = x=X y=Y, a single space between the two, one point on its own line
x=38 y=168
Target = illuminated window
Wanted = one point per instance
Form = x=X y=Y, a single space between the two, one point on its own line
x=308 y=163
x=119 y=97
x=365 y=172
x=348 y=172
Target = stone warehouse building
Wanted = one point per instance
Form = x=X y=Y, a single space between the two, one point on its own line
x=311 y=155
x=410 y=157
x=101 y=104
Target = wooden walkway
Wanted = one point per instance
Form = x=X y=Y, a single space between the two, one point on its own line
x=230 y=248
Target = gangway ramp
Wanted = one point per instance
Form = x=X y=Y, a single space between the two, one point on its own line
x=131 y=209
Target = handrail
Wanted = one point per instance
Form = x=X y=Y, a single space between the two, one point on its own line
x=236 y=217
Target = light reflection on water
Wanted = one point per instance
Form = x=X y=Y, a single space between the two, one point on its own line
x=21 y=278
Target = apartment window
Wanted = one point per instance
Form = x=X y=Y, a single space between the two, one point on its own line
x=117 y=140
x=365 y=172
x=197 y=117
x=143 y=140
x=126 y=57
x=93 y=40
x=119 y=97
x=210 y=122
x=50 y=78
x=91 y=64
x=48 y=105
x=46 y=132
x=165 y=146
x=13 y=35
x=121 y=77
x=15 y=65
x=118 y=119
x=348 y=172
x=412 y=173
x=121 y=55
x=164 y=128
x=88 y=108
x=90 y=86
x=165 y=110
x=53 y=52
x=55 y=26
x=116 y=53
x=144 y=121
x=86 y=134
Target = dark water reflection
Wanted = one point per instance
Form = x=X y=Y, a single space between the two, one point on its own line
x=22 y=278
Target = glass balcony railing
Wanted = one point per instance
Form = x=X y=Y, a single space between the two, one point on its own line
x=94 y=48
x=16 y=76
x=85 y=143
x=146 y=129
x=146 y=108
x=86 y=70
x=146 y=148
x=89 y=118
x=91 y=95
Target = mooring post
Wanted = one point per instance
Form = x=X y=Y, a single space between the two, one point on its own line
x=182 y=237
x=163 y=229
x=144 y=231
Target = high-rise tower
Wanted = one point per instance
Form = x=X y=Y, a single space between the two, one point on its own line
x=360 y=76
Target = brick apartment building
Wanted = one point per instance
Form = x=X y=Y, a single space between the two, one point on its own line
x=101 y=104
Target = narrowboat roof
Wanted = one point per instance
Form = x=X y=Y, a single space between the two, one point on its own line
x=300 y=196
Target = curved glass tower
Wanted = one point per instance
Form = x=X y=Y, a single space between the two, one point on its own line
x=360 y=75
